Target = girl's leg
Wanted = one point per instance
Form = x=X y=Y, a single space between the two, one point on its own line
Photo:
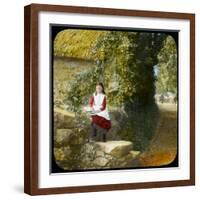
x=93 y=131
x=104 y=134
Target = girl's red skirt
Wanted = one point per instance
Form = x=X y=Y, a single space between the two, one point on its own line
x=101 y=121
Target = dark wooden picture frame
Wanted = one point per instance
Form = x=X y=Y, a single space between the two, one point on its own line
x=31 y=98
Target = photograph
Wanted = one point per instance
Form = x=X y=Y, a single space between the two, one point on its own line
x=109 y=99
x=114 y=99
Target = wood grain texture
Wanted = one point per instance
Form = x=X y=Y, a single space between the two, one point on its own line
x=31 y=98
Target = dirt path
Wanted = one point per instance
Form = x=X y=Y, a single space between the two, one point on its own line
x=163 y=146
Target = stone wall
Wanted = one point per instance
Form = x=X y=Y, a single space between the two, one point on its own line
x=73 y=152
x=111 y=154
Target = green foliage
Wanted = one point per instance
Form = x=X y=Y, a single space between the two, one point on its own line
x=113 y=55
x=167 y=76
x=148 y=47
x=80 y=88
x=140 y=124
x=123 y=58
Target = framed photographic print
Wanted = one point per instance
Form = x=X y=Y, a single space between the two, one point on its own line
x=109 y=99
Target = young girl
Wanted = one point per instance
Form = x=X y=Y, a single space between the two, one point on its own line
x=100 y=117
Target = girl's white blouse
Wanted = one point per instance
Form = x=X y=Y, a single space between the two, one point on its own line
x=98 y=104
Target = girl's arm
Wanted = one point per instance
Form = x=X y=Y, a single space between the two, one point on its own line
x=91 y=101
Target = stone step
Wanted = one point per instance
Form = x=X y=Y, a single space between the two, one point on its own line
x=116 y=148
